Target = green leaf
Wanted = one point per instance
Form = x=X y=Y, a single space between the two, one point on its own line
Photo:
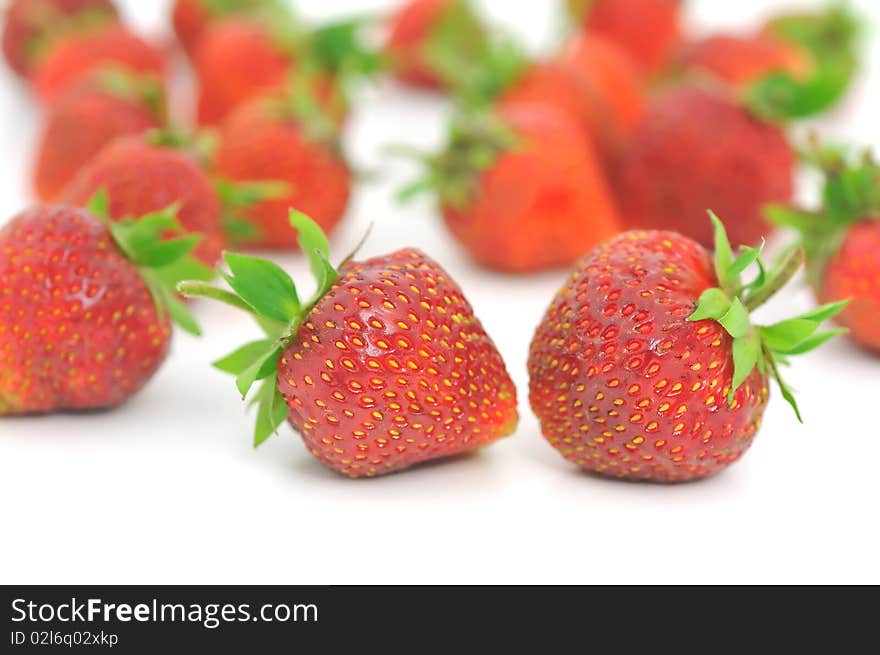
x=825 y=312
x=746 y=356
x=736 y=320
x=784 y=216
x=713 y=304
x=312 y=241
x=814 y=342
x=99 y=204
x=264 y=285
x=262 y=368
x=185 y=268
x=242 y=359
x=787 y=335
x=180 y=313
x=727 y=279
x=747 y=257
x=272 y=410
x=160 y=254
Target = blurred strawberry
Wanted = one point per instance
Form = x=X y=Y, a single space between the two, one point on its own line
x=522 y=189
x=698 y=148
x=87 y=116
x=30 y=26
x=428 y=39
x=80 y=53
x=192 y=17
x=287 y=146
x=648 y=29
x=148 y=173
x=741 y=61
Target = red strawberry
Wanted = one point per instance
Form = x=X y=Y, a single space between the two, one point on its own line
x=522 y=190
x=280 y=140
x=236 y=60
x=614 y=89
x=385 y=367
x=649 y=30
x=695 y=149
x=84 y=320
x=81 y=53
x=146 y=174
x=647 y=366
x=429 y=39
x=88 y=116
x=31 y=25
x=192 y=17
x=842 y=242
x=741 y=61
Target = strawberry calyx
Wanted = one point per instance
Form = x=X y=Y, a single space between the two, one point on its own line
x=850 y=194
x=161 y=261
x=761 y=347
x=225 y=7
x=139 y=89
x=476 y=140
x=60 y=25
x=269 y=294
x=237 y=197
x=831 y=40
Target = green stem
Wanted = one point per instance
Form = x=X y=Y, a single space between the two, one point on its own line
x=790 y=265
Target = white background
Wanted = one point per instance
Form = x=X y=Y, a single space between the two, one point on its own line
x=169 y=490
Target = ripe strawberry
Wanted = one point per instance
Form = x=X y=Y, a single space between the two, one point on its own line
x=89 y=115
x=615 y=93
x=429 y=39
x=84 y=319
x=236 y=60
x=385 y=367
x=78 y=54
x=144 y=174
x=192 y=17
x=287 y=143
x=698 y=148
x=647 y=366
x=521 y=190
x=649 y=30
x=741 y=61
x=842 y=241
x=30 y=25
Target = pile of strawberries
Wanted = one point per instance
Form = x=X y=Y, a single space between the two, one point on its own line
x=646 y=365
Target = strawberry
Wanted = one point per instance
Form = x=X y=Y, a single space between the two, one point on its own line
x=521 y=189
x=649 y=30
x=290 y=147
x=614 y=90
x=192 y=17
x=89 y=115
x=647 y=365
x=85 y=313
x=81 y=53
x=743 y=60
x=428 y=39
x=842 y=240
x=31 y=25
x=145 y=174
x=236 y=60
x=385 y=367
x=698 y=148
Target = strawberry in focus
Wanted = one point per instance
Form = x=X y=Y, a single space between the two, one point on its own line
x=649 y=30
x=86 y=117
x=647 y=365
x=428 y=39
x=385 y=367
x=147 y=173
x=85 y=322
x=81 y=53
x=521 y=189
x=842 y=240
x=699 y=148
x=31 y=25
x=285 y=144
